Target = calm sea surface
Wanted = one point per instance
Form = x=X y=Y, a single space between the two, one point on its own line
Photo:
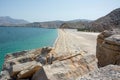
x=14 y=39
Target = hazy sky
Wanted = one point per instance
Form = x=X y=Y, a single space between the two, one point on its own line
x=46 y=10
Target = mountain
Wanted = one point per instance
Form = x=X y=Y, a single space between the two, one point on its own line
x=80 y=20
x=57 y=24
x=48 y=24
x=8 y=21
x=75 y=24
x=108 y=22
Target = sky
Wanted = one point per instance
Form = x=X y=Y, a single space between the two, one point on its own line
x=49 y=10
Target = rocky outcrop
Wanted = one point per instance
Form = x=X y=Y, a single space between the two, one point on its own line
x=110 y=72
x=70 y=68
x=24 y=64
x=40 y=64
x=25 y=70
x=108 y=48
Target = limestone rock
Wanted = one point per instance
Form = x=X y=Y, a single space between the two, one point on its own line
x=4 y=75
x=27 y=69
x=29 y=72
x=113 y=40
x=7 y=65
x=40 y=75
x=27 y=66
x=108 y=48
x=110 y=72
x=70 y=68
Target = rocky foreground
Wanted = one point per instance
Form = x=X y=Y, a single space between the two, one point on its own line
x=72 y=58
x=110 y=72
x=108 y=48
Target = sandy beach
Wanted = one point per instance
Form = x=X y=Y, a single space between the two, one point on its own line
x=71 y=41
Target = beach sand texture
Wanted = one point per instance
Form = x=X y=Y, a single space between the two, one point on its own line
x=71 y=41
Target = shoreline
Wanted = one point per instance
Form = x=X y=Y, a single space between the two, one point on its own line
x=67 y=49
x=34 y=47
x=70 y=31
x=39 y=47
x=56 y=39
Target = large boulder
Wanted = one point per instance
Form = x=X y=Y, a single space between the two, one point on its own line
x=28 y=73
x=108 y=48
x=25 y=70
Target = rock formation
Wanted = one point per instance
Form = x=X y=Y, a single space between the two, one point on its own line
x=108 y=48
x=33 y=65
x=23 y=65
x=70 y=68
x=25 y=70
x=110 y=72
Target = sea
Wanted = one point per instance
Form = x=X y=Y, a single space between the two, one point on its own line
x=14 y=39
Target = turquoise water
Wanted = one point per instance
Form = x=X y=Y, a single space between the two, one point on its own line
x=14 y=39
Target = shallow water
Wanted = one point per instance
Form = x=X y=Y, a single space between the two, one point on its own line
x=14 y=39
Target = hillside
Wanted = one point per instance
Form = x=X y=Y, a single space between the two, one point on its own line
x=57 y=24
x=48 y=24
x=8 y=21
x=110 y=21
x=75 y=25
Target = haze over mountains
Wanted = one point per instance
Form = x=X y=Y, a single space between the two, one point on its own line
x=8 y=21
x=110 y=21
